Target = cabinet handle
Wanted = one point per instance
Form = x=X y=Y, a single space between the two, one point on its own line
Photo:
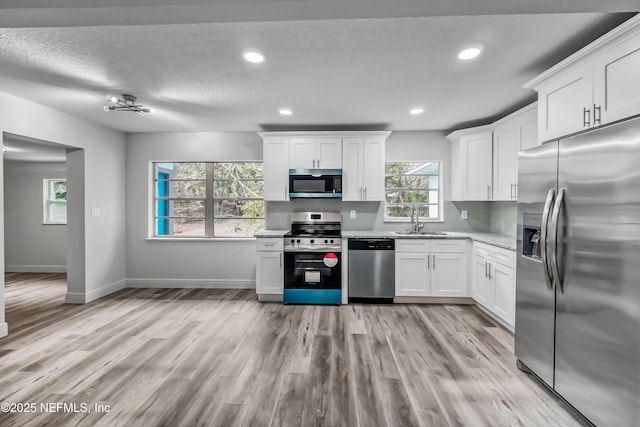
x=511 y=191
x=434 y=262
x=486 y=266
x=586 y=114
x=488 y=192
x=596 y=118
x=515 y=193
x=490 y=276
x=428 y=262
x=365 y=193
x=281 y=259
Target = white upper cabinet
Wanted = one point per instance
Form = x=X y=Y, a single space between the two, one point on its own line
x=471 y=168
x=363 y=168
x=275 y=168
x=565 y=104
x=615 y=78
x=315 y=153
x=595 y=86
x=514 y=133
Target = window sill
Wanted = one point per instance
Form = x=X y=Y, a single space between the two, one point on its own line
x=200 y=239
x=54 y=223
x=406 y=221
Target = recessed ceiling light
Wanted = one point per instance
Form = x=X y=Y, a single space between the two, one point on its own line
x=470 y=53
x=416 y=111
x=253 y=56
x=285 y=112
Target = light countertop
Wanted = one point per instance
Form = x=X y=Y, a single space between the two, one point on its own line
x=501 y=240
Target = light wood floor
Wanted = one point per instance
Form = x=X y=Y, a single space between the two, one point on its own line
x=218 y=357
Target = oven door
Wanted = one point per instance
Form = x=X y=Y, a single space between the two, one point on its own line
x=312 y=278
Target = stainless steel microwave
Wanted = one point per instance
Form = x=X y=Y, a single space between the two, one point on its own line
x=315 y=183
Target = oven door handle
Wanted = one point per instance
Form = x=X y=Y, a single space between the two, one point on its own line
x=309 y=260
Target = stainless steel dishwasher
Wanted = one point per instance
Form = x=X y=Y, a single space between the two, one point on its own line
x=371 y=270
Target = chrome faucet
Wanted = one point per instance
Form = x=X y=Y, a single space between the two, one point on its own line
x=415 y=224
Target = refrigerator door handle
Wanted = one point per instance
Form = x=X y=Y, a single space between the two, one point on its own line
x=555 y=268
x=548 y=205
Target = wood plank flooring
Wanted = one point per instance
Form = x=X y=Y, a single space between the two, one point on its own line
x=192 y=357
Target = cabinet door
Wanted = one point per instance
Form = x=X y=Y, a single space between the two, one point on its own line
x=302 y=154
x=352 y=159
x=276 y=168
x=478 y=152
x=504 y=283
x=529 y=134
x=269 y=273
x=482 y=286
x=412 y=275
x=329 y=153
x=449 y=275
x=565 y=104
x=373 y=169
x=506 y=141
x=616 y=88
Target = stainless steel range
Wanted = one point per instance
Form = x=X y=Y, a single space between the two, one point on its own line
x=312 y=267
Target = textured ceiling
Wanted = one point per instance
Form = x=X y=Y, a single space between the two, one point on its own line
x=333 y=73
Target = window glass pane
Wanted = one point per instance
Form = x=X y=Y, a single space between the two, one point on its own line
x=180 y=208
x=409 y=182
x=180 y=227
x=237 y=170
x=181 y=189
x=181 y=170
x=237 y=227
x=433 y=211
x=398 y=211
x=58 y=212
x=238 y=208
x=407 y=196
x=237 y=189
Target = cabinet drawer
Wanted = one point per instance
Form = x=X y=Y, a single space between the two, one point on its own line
x=449 y=245
x=496 y=254
x=413 y=245
x=269 y=244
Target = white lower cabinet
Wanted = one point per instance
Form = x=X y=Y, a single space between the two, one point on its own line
x=269 y=266
x=494 y=281
x=423 y=272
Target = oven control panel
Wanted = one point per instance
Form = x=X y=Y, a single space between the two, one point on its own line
x=316 y=244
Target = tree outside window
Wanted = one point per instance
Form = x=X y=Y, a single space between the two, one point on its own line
x=55 y=201
x=213 y=199
x=409 y=184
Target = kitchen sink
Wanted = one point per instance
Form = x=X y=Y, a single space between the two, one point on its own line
x=420 y=233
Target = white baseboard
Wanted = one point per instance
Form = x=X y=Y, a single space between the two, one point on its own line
x=4 y=329
x=35 y=268
x=192 y=283
x=83 y=298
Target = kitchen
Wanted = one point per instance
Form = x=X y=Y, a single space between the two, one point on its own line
x=152 y=263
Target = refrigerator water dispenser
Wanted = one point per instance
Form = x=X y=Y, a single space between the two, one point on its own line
x=531 y=235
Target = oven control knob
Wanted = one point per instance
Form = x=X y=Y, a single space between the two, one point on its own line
x=298 y=241
x=326 y=241
x=312 y=240
x=293 y=240
x=331 y=240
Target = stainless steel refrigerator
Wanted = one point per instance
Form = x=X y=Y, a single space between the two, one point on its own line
x=578 y=271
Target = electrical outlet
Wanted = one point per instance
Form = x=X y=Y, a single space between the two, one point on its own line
x=95 y=211
x=464 y=214
x=352 y=214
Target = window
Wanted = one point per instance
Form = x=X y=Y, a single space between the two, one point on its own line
x=54 y=207
x=407 y=183
x=215 y=199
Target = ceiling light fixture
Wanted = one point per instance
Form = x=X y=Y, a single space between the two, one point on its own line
x=470 y=52
x=417 y=110
x=253 y=56
x=5 y=149
x=126 y=103
x=285 y=112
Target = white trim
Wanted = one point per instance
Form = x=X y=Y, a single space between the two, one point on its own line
x=35 y=268
x=517 y=114
x=192 y=283
x=337 y=134
x=469 y=131
x=4 y=329
x=592 y=47
x=83 y=298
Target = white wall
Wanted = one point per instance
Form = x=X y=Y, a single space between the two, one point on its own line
x=102 y=251
x=212 y=263
x=30 y=245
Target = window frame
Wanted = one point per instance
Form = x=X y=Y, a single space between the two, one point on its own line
x=209 y=201
x=47 y=201
x=440 y=190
